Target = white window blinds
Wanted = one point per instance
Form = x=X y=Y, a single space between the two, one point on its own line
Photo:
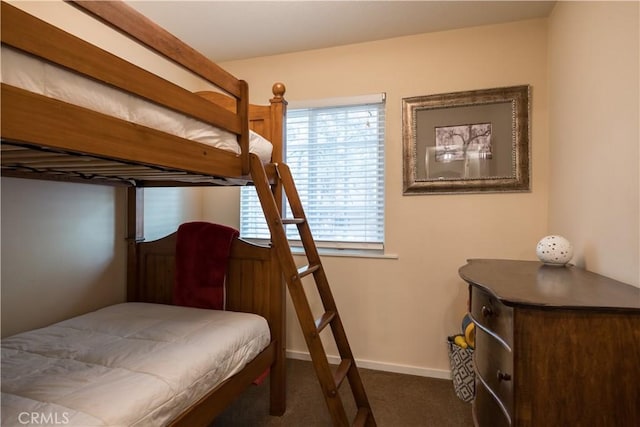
x=336 y=155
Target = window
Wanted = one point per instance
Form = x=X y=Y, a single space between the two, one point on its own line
x=162 y=213
x=336 y=155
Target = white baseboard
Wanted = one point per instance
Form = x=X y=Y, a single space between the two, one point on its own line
x=379 y=366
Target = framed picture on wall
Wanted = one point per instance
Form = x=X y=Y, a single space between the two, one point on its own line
x=467 y=142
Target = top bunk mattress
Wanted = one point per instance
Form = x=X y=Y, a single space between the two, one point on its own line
x=131 y=364
x=35 y=75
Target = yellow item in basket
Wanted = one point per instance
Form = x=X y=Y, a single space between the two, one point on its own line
x=469 y=330
x=460 y=341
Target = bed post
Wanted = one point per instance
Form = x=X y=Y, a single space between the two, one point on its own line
x=277 y=120
x=278 y=117
x=278 y=132
x=135 y=234
x=242 y=108
x=278 y=374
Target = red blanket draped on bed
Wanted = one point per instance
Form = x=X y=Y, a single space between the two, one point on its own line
x=202 y=257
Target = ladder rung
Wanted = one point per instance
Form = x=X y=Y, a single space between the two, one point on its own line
x=361 y=417
x=307 y=269
x=293 y=221
x=342 y=371
x=324 y=320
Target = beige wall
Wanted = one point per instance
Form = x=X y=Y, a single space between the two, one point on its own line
x=63 y=251
x=64 y=248
x=398 y=312
x=594 y=133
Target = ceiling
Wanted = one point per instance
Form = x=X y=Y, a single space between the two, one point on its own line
x=232 y=30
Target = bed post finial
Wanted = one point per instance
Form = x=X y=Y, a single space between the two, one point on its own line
x=278 y=90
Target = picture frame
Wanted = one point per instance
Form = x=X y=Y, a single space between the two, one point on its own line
x=467 y=142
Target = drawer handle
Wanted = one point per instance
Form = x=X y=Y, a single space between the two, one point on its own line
x=487 y=311
x=502 y=376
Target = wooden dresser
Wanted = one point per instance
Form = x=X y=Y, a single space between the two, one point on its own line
x=555 y=346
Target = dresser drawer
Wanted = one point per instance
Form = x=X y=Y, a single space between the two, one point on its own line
x=494 y=366
x=486 y=411
x=493 y=316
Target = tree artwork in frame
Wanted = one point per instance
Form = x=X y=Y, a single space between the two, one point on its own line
x=467 y=142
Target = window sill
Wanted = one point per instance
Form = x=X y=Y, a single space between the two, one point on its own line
x=337 y=252
x=349 y=253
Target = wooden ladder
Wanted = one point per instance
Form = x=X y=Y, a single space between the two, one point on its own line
x=330 y=381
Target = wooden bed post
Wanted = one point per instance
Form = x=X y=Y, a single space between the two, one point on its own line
x=278 y=117
x=278 y=133
x=135 y=234
x=242 y=108
x=278 y=374
x=278 y=113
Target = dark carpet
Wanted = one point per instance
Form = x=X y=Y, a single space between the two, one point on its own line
x=397 y=400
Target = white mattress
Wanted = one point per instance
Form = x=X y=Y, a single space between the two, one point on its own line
x=131 y=364
x=32 y=74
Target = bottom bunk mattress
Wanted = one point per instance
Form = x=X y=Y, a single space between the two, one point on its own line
x=131 y=364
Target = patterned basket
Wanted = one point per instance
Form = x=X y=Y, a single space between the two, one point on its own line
x=462 y=371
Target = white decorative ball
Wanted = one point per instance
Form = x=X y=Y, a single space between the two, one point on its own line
x=554 y=250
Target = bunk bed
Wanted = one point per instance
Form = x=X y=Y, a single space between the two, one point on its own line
x=52 y=136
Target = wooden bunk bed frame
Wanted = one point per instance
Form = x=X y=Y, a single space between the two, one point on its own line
x=43 y=138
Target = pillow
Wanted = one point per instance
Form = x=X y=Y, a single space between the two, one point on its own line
x=260 y=146
x=202 y=260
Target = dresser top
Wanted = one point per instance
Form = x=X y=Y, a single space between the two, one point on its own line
x=531 y=283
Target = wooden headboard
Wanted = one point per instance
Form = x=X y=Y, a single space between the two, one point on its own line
x=253 y=283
